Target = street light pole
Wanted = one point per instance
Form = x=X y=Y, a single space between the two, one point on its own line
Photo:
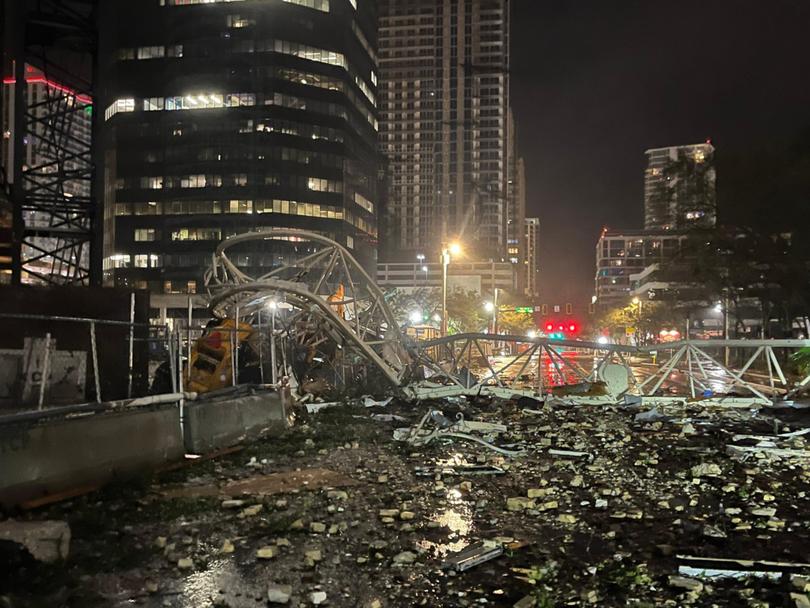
x=495 y=313
x=445 y=264
x=637 y=300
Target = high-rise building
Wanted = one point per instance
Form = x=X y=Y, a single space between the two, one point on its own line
x=228 y=116
x=679 y=187
x=620 y=254
x=531 y=263
x=445 y=126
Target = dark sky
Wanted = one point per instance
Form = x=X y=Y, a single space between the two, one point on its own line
x=596 y=82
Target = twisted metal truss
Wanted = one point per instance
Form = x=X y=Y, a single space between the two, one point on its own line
x=332 y=297
x=691 y=368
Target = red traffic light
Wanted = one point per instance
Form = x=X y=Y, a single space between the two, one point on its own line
x=572 y=327
x=549 y=327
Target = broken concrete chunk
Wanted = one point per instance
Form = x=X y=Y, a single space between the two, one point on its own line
x=227 y=547
x=313 y=555
x=251 y=511
x=317 y=597
x=389 y=512
x=800 y=600
x=185 y=563
x=567 y=518
x=317 y=527
x=232 y=504
x=706 y=470
x=406 y=557
x=47 y=541
x=764 y=512
x=519 y=503
x=267 y=552
x=690 y=584
x=279 y=594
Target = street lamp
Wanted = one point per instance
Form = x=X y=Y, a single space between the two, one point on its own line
x=415 y=317
x=447 y=251
x=421 y=258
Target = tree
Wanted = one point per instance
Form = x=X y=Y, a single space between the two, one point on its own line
x=465 y=312
x=732 y=264
x=515 y=323
x=647 y=319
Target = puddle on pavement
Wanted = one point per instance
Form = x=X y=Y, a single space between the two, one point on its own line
x=201 y=587
x=458 y=519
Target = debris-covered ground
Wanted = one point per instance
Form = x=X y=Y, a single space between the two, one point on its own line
x=600 y=510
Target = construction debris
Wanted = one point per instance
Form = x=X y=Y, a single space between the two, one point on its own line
x=473 y=555
x=609 y=511
x=46 y=541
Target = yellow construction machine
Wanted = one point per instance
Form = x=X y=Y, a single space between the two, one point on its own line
x=212 y=366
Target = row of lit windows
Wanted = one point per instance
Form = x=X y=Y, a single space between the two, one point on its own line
x=285 y=207
x=316 y=184
x=295 y=155
x=123 y=260
x=319 y=5
x=213 y=100
x=181 y=102
x=197 y=234
x=300 y=129
x=150 y=52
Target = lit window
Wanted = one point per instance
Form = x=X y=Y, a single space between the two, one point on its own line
x=145 y=234
x=120 y=105
x=152 y=104
x=238 y=21
x=150 y=52
x=364 y=202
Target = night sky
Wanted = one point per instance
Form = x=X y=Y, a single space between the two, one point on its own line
x=596 y=82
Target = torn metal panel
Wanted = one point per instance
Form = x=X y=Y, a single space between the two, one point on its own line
x=716 y=568
x=741 y=452
x=473 y=555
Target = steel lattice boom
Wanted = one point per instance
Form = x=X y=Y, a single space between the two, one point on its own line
x=332 y=297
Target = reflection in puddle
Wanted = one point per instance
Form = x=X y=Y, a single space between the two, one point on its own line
x=200 y=587
x=458 y=520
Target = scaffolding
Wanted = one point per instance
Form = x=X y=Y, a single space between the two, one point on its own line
x=49 y=60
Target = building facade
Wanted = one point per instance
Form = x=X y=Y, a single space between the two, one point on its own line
x=679 y=187
x=619 y=255
x=223 y=117
x=480 y=277
x=445 y=127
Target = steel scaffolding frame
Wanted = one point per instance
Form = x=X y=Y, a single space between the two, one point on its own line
x=56 y=227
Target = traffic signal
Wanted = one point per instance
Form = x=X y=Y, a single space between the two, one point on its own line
x=549 y=326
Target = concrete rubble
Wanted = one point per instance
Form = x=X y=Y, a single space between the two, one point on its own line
x=46 y=541
x=581 y=505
